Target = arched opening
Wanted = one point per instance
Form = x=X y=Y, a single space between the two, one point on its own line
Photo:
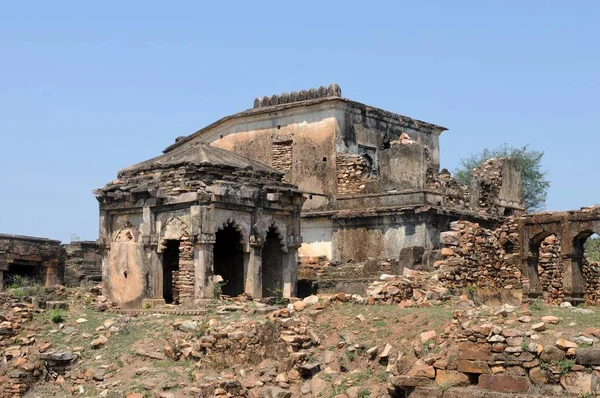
x=272 y=265
x=585 y=250
x=170 y=265
x=228 y=257
x=591 y=269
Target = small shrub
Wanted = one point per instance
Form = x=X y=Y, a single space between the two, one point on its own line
x=472 y=289
x=218 y=289
x=565 y=366
x=57 y=316
x=364 y=393
x=278 y=296
x=147 y=306
x=350 y=355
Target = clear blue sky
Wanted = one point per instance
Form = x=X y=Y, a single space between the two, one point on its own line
x=88 y=88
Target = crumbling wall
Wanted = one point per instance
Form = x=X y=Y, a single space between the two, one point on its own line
x=480 y=257
x=83 y=263
x=352 y=171
x=497 y=188
x=183 y=278
x=550 y=270
x=36 y=259
x=455 y=194
x=281 y=155
x=591 y=274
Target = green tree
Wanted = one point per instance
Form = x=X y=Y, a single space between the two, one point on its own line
x=592 y=248
x=535 y=184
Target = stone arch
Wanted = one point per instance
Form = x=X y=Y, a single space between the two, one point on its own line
x=174 y=229
x=532 y=260
x=232 y=222
x=127 y=235
x=262 y=228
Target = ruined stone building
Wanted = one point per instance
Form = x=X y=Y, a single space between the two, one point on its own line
x=30 y=260
x=171 y=224
x=371 y=177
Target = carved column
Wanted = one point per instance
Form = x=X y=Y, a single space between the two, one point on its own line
x=203 y=266
x=253 y=283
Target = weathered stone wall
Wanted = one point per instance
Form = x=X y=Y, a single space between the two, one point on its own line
x=352 y=171
x=550 y=270
x=497 y=188
x=479 y=257
x=282 y=157
x=38 y=259
x=83 y=263
x=591 y=273
x=183 y=279
x=455 y=194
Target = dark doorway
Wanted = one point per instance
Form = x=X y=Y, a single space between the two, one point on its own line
x=23 y=275
x=272 y=269
x=170 y=270
x=229 y=261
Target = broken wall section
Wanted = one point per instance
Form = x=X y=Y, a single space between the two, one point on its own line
x=352 y=173
x=83 y=263
x=27 y=259
x=497 y=187
x=480 y=258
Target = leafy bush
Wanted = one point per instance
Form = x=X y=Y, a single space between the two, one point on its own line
x=57 y=316
x=592 y=249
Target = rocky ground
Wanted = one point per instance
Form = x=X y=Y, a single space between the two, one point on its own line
x=395 y=341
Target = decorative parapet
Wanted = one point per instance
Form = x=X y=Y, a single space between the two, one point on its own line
x=333 y=90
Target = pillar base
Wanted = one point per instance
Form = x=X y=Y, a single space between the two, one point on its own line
x=152 y=303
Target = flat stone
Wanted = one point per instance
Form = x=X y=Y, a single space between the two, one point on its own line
x=538 y=327
x=480 y=367
x=99 y=342
x=300 y=306
x=427 y=336
x=505 y=383
x=551 y=353
x=538 y=376
x=409 y=381
x=577 y=383
x=550 y=319
x=62 y=356
x=564 y=344
x=451 y=378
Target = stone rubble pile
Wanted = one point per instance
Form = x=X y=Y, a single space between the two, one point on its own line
x=502 y=350
x=279 y=349
x=20 y=351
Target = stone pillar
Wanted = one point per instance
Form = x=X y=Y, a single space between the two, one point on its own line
x=290 y=266
x=253 y=283
x=1 y=281
x=51 y=273
x=203 y=266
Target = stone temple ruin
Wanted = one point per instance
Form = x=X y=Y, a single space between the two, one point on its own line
x=289 y=190
x=366 y=183
x=169 y=225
